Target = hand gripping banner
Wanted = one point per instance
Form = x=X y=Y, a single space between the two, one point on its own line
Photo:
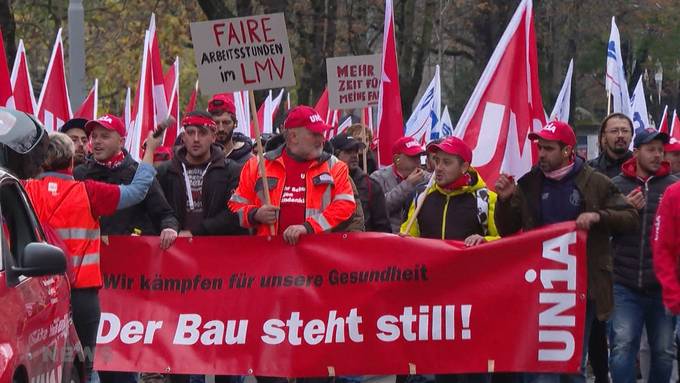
x=343 y=304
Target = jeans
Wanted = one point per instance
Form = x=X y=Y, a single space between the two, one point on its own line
x=575 y=378
x=632 y=311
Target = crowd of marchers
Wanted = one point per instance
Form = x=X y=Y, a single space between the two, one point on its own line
x=210 y=183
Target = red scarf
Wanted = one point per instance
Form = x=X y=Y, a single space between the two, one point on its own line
x=114 y=161
x=462 y=181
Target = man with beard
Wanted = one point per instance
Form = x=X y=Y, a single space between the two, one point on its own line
x=200 y=165
x=637 y=293
x=616 y=134
x=75 y=130
x=111 y=163
x=371 y=194
x=310 y=189
x=236 y=147
x=563 y=188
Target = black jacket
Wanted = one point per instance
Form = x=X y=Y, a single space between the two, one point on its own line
x=150 y=216
x=219 y=183
x=242 y=154
x=609 y=166
x=372 y=202
x=633 y=265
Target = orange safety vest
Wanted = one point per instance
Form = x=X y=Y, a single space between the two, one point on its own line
x=65 y=205
x=329 y=198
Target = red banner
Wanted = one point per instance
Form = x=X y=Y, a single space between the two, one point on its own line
x=343 y=304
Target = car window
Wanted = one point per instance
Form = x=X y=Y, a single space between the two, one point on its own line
x=19 y=225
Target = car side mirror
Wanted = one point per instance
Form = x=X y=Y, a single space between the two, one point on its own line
x=41 y=259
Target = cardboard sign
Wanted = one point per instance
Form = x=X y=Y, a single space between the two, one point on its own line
x=353 y=81
x=244 y=53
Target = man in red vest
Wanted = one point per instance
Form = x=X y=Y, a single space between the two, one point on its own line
x=72 y=208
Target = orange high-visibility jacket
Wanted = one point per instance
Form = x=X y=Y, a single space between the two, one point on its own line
x=329 y=197
x=64 y=204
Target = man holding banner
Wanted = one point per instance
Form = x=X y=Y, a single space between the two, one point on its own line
x=563 y=188
x=458 y=205
x=370 y=193
x=310 y=189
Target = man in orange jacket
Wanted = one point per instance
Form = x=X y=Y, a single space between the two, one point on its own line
x=310 y=189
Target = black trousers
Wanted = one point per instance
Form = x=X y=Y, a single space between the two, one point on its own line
x=86 y=314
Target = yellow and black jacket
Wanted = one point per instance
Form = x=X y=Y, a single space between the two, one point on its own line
x=456 y=214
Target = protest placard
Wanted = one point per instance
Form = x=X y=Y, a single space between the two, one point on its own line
x=353 y=81
x=244 y=53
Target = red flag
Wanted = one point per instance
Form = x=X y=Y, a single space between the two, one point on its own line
x=22 y=89
x=191 y=105
x=506 y=103
x=390 y=119
x=5 y=83
x=330 y=116
x=143 y=110
x=663 y=125
x=675 y=126
x=260 y=117
x=321 y=106
x=172 y=83
x=266 y=114
x=88 y=109
x=160 y=93
x=54 y=105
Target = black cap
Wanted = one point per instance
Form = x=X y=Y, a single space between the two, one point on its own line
x=74 y=123
x=344 y=141
x=645 y=136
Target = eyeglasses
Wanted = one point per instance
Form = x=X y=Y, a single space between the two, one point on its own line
x=616 y=132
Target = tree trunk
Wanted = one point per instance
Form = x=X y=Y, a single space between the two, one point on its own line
x=8 y=27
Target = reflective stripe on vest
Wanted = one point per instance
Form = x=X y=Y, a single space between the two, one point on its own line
x=65 y=205
x=78 y=233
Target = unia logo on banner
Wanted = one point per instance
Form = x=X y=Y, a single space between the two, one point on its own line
x=556 y=329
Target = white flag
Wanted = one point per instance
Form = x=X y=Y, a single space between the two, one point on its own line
x=271 y=107
x=560 y=111
x=444 y=127
x=638 y=105
x=426 y=113
x=615 y=81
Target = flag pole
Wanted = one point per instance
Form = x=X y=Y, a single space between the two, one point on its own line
x=260 y=155
x=364 y=138
x=609 y=102
x=419 y=205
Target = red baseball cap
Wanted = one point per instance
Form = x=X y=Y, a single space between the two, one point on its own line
x=455 y=146
x=303 y=116
x=408 y=146
x=672 y=146
x=221 y=103
x=556 y=131
x=107 y=121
